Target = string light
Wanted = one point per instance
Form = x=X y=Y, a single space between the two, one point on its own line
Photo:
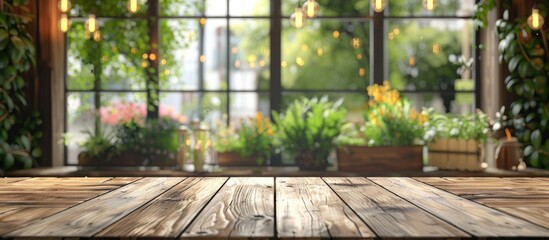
x=262 y=63
x=311 y=8
x=436 y=48
x=356 y=43
x=430 y=5
x=64 y=6
x=202 y=58
x=133 y=6
x=164 y=61
x=378 y=5
x=359 y=56
x=97 y=36
x=237 y=64
x=298 y=18
x=300 y=61
x=234 y=50
x=152 y=57
x=361 y=72
x=64 y=23
x=202 y=21
x=145 y=55
x=284 y=64
x=320 y=52
x=535 y=21
x=335 y=34
x=91 y=23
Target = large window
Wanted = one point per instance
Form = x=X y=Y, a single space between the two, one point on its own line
x=211 y=60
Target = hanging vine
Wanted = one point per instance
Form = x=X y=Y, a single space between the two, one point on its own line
x=19 y=134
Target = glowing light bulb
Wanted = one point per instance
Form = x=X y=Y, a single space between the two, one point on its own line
x=378 y=5
x=97 y=36
x=64 y=23
x=535 y=21
x=311 y=7
x=298 y=18
x=64 y=6
x=91 y=23
x=133 y=6
x=430 y=4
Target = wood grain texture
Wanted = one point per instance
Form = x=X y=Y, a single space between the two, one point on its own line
x=29 y=199
x=537 y=215
x=473 y=218
x=88 y=218
x=387 y=214
x=169 y=213
x=308 y=208
x=243 y=207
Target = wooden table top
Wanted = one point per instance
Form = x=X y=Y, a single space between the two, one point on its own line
x=274 y=207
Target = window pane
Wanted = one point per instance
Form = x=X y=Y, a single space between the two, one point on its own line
x=250 y=54
x=117 y=108
x=81 y=8
x=245 y=105
x=330 y=8
x=326 y=54
x=353 y=102
x=249 y=7
x=189 y=106
x=193 y=7
x=442 y=8
x=115 y=56
x=420 y=52
x=460 y=103
x=187 y=45
x=80 y=118
x=180 y=49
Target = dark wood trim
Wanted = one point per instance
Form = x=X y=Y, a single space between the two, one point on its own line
x=377 y=48
x=153 y=97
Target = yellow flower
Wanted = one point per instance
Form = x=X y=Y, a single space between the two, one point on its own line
x=422 y=118
x=259 y=116
x=413 y=114
x=270 y=132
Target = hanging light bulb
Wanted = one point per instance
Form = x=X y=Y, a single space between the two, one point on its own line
x=91 y=23
x=378 y=5
x=64 y=23
x=430 y=4
x=64 y=6
x=298 y=18
x=133 y=6
x=311 y=8
x=535 y=21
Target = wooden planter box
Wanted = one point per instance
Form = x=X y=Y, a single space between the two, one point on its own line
x=457 y=154
x=126 y=159
x=234 y=159
x=380 y=159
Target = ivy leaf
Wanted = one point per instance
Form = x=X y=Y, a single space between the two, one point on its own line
x=523 y=69
x=528 y=150
x=535 y=138
x=25 y=142
x=3 y=34
x=9 y=160
x=514 y=62
x=18 y=42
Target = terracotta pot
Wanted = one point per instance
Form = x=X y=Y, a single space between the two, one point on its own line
x=307 y=162
x=126 y=159
x=380 y=159
x=235 y=159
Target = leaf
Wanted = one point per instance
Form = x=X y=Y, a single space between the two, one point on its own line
x=535 y=138
x=25 y=142
x=9 y=160
x=514 y=62
x=18 y=43
x=3 y=34
x=523 y=69
x=534 y=159
x=528 y=150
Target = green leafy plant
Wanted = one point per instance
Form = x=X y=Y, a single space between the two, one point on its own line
x=19 y=133
x=526 y=52
x=390 y=121
x=307 y=129
x=99 y=144
x=255 y=138
x=467 y=127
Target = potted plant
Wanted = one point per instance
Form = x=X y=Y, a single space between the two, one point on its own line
x=307 y=130
x=390 y=139
x=132 y=144
x=459 y=141
x=251 y=145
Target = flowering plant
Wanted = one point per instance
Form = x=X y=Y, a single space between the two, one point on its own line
x=124 y=112
x=254 y=138
x=390 y=121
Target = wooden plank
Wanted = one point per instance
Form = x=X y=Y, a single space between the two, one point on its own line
x=169 y=213
x=243 y=207
x=537 y=215
x=88 y=218
x=473 y=218
x=387 y=214
x=21 y=216
x=12 y=179
x=308 y=208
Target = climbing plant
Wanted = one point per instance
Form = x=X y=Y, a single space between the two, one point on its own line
x=526 y=54
x=19 y=133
